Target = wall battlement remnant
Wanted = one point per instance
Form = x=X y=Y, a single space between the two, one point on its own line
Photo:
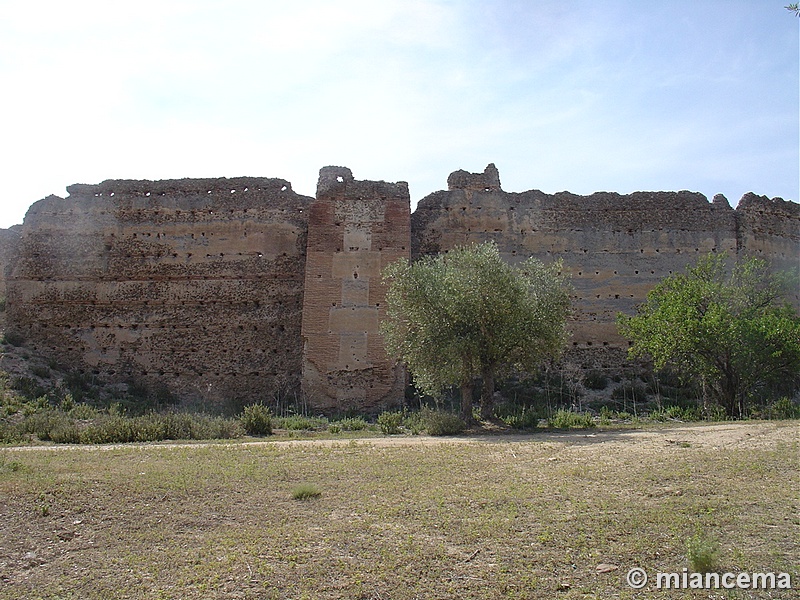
x=237 y=290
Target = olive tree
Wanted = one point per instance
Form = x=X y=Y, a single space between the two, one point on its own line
x=727 y=327
x=465 y=314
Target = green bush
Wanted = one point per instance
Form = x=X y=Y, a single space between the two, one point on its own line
x=438 y=422
x=300 y=423
x=412 y=421
x=784 y=408
x=114 y=428
x=306 y=491
x=28 y=387
x=565 y=419
x=257 y=420
x=702 y=554
x=42 y=423
x=390 y=422
x=81 y=411
x=10 y=433
x=352 y=424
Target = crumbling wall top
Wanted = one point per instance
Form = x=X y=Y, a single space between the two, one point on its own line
x=339 y=182
x=487 y=181
x=753 y=202
x=331 y=176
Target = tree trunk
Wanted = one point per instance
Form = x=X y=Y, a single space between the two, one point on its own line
x=466 y=401
x=487 y=394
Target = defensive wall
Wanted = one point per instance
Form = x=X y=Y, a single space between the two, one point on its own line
x=238 y=290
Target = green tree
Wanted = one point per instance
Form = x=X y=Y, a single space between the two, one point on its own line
x=728 y=328
x=466 y=314
x=794 y=7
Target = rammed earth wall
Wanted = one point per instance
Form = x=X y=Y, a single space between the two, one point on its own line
x=196 y=284
x=236 y=290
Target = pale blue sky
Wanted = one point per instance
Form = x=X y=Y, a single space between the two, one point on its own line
x=614 y=95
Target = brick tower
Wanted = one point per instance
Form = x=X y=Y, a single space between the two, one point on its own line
x=355 y=229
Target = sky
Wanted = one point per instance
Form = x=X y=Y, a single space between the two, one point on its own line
x=609 y=95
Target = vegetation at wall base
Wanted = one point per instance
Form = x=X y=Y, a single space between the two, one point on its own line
x=257 y=420
x=728 y=327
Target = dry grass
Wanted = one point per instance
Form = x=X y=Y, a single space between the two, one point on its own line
x=524 y=517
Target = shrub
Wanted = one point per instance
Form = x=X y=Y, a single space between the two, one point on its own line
x=565 y=419
x=390 y=422
x=28 y=387
x=10 y=433
x=300 y=422
x=524 y=420
x=516 y=416
x=257 y=420
x=413 y=422
x=352 y=424
x=702 y=554
x=306 y=491
x=81 y=411
x=438 y=422
x=784 y=408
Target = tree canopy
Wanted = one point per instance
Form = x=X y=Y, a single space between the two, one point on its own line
x=454 y=317
x=728 y=327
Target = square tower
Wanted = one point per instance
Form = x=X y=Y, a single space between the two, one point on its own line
x=355 y=229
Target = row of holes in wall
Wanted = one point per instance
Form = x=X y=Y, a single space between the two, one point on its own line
x=147 y=326
x=193 y=236
x=290 y=277
x=602 y=210
x=173 y=351
x=185 y=192
x=145 y=214
x=227 y=375
x=167 y=303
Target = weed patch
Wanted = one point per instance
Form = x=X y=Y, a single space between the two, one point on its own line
x=306 y=491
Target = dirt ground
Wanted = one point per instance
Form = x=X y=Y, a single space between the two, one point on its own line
x=216 y=520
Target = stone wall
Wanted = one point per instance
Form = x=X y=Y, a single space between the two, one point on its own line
x=355 y=229
x=235 y=290
x=196 y=284
x=9 y=240
x=615 y=247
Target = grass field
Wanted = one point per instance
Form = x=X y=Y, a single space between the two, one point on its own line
x=412 y=517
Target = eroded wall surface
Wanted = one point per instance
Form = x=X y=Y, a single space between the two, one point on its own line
x=615 y=247
x=195 y=283
x=355 y=229
x=235 y=290
x=9 y=241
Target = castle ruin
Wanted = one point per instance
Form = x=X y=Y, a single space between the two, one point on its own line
x=237 y=290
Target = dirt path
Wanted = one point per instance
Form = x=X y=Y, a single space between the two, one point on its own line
x=718 y=435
